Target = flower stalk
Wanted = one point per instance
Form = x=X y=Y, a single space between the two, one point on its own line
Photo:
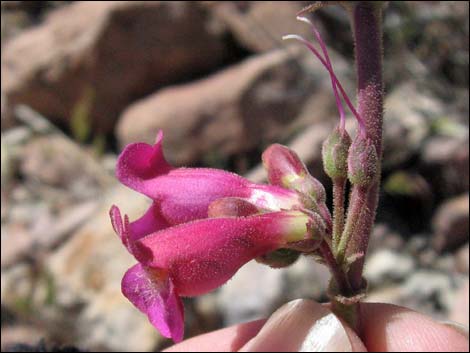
x=366 y=19
x=339 y=190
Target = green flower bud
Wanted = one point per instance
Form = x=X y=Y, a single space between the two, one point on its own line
x=335 y=154
x=363 y=163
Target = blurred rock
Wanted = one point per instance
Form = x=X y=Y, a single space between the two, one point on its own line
x=232 y=111
x=385 y=265
x=69 y=166
x=462 y=259
x=430 y=291
x=257 y=290
x=15 y=334
x=460 y=306
x=41 y=346
x=259 y=25
x=251 y=294
x=406 y=122
x=451 y=224
x=88 y=60
x=13 y=246
x=445 y=162
x=87 y=271
x=385 y=237
x=39 y=230
x=305 y=279
x=17 y=284
x=385 y=294
x=12 y=142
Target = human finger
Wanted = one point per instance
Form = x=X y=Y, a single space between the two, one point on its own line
x=391 y=328
x=228 y=339
x=304 y=325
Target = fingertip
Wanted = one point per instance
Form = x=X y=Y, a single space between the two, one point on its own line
x=393 y=328
x=304 y=325
x=228 y=339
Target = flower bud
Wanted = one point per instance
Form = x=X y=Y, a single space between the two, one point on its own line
x=285 y=169
x=363 y=162
x=279 y=258
x=335 y=153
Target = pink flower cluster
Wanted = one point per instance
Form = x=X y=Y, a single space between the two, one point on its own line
x=204 y=224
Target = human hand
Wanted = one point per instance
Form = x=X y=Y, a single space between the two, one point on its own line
x=304 y=325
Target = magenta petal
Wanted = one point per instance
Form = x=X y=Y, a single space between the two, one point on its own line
x=140 y=162
x=184 y=194
x=152 y=221
x=153 y=293
x=202 y=255
x=120 y=228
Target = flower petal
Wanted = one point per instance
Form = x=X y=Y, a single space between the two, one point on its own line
x=153 y=293
x=140 y=162
x=151 y=222
x=202 y=255
x=120 y=228
x=184 y=194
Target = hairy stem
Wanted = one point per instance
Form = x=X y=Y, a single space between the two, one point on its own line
x=336 y=270
x=339 y=186
x=357 y=204
x=366 y=23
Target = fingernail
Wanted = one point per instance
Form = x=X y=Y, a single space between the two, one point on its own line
x=326 y=335
x=303 y=326
x=456 y=326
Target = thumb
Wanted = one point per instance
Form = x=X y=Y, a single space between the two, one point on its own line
x=305 y=326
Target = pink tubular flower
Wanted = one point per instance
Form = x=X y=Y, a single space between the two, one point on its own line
x=202 y=226
x=184 y=194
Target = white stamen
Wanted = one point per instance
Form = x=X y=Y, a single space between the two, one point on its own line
x=293 y=36
x=304 y=19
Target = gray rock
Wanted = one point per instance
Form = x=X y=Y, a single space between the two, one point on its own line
x=20 y=334
x=432 y=291
x=385 y=237
x=259 y=25
x=250 y=294
x=460 y=307
x=427 y=291
x=69 y=167
x=406 y=123
x=257 y=290
x=451 y=224
x=445 y=162
x=88 y=269
x=462 y=259
x=385 y=265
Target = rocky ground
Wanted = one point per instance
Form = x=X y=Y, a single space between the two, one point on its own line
x=82 y=79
